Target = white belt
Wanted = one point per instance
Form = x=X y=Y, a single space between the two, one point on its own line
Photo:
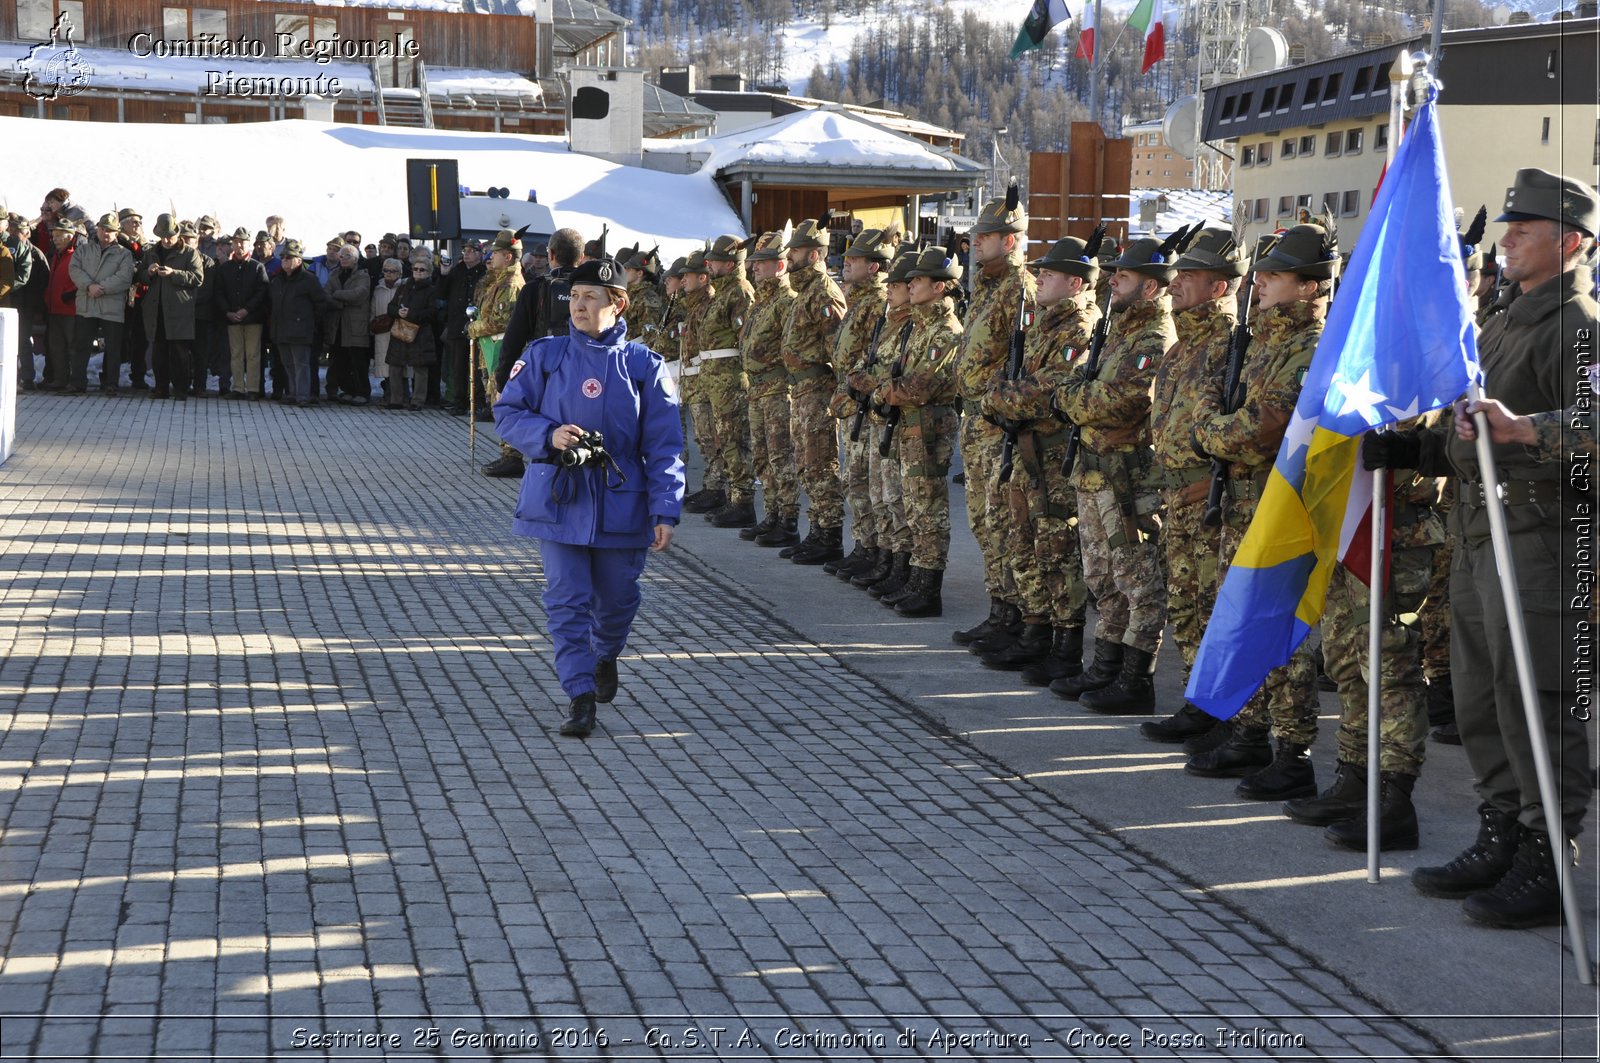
x=693 y=370
x=720 y=352
x=674 y=369
x=497 y=336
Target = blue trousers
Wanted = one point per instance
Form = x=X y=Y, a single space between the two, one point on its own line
x=591 y=595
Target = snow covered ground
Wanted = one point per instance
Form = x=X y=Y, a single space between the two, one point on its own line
x=325 y=178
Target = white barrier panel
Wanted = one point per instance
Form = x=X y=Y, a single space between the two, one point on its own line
x=8 y=382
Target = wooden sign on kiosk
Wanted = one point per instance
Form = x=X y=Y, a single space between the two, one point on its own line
x=1069 y=192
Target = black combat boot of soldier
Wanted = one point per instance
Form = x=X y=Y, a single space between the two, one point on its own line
x=1102 y=672
x=1529 y=895
x=1064 y=659
x=785 y=533
x=895 y=581
x=985 y=627
x=1031 y=647
x=788 y=552
x=706 y=501
x=735 y=515
x=1132 y=693
x=1442 y=711
x=1290 y=775
x=1009 y=631
x=864 y=580
x=1397 y=818
x=909 y=581
x=828 y=546
x=770 y=521
x=580 y=717
x=1481 y=866
x=1244 y=751
x=852 y=561
x=1345 y=797
x=605 y=680
x=1180 y=726
x=506 y=465
x=927 y=598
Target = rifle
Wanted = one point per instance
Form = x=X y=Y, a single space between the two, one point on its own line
x=666 y=312
x=1019 y=341
x=863 y=401
x=1238 y=343
x=892 y=417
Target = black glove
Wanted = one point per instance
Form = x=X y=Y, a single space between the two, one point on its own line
x=1194 y=444
x=1390 y=450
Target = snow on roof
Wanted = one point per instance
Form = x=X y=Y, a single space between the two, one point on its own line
x=564 y=10
x=822 y=137
x=1185 y=206
x=328 y=177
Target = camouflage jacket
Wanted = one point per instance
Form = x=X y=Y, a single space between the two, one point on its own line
x=853 y=345
x=762 y=337
x=645 y=305
x=1196 y=368
x=927 y=376
x=495 y=297
x=1283 y=339
x=814 y=318
x=1058 y=339
x=693 y=307
x=896 y=334
x=991 y=319
x=1113 y=408
x=724 y=316
x=670 y=333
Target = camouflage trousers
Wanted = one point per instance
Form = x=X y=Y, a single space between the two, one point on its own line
x=1193 y=562
x=1403 y=711
x=726 y=389
x=1047 y=565
x=815 y=434
x=858 y=485
x=699 y=410
x=924 y=445
x=771 y=453
x=1123 y=570
x=988 y=504
x=491 y=392
x=885 y=492
x=1287 y=700
x=1435 y=616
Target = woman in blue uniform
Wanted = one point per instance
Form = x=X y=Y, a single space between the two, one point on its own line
x=596 y=510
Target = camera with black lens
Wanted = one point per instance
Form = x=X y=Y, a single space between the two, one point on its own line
x=589 y=448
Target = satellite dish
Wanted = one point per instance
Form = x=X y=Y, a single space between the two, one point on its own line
x=1264 y=49
x=1500 y=15
x=1178 y=128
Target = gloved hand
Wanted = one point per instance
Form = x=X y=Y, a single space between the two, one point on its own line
x=1390 y=450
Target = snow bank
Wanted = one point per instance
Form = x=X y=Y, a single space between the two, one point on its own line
x=325 y=178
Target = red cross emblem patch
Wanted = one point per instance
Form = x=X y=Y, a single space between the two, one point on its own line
x=592 y=388
x=516 y=368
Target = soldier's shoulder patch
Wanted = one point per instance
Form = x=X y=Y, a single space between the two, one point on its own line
x=518 y=366
x=1071 y=354
x=1143 y=362
x=1300 y=377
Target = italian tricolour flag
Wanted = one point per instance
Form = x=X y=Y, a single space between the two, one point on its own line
x=1086 y=33
x=1149 y=19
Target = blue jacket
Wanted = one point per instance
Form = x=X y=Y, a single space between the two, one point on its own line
x=621 y=388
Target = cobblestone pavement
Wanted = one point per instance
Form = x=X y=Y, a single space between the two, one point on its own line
x=278 y=774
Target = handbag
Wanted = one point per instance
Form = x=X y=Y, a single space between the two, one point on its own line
x=403 y=330
x=380 y=324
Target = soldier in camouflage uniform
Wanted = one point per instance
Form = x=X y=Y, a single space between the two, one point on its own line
x=695 y=285
x=1001 y=289
x=723 y=381
x=495 y=297
x=762 y=344
x=866 y=263
x=922 y=388
x=1292 y=285
x=808 y=336
x=1204 y=294
x=893 y=568
x=646 y=305
x=1048 y=567
x=1117 y=521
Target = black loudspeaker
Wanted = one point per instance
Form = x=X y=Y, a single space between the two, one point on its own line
x=591 y=103
x=433 y=199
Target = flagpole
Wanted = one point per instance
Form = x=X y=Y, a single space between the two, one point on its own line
x=1094 y=70
x=1548 y=796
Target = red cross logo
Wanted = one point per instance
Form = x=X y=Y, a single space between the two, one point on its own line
x=592 y=388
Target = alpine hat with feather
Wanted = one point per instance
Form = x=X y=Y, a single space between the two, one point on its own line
x=1003 y=215
x=1307 y=250
x=935 y=263
x=727 y=249
x=1075 y=257
x=1213 y=249
x=1152 y=258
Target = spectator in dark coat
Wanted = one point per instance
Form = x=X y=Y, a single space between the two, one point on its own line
x=206 y=360
x=27 y=290
x=103 y=271
x=415 y=302
x=135 y=342
x=459 y=282
x=174 y=274
x=242 y=300
x=297 y=302
x=349 y=288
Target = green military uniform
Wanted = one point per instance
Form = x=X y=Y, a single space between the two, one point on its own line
x=723 y=381
x=495 y=297
x=762 y=344
x=808 y=336
x=694 y=306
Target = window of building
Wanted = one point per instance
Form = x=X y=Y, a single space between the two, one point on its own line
x=1286 y=96
x=1363 y=83
x=1380 y=141
x=1330 y=202
x=1313 y=92
x=1287 y=151
x=1352 y=141
x=182 y=23
x=1308 y=145
x=1302 y=202
x=1264 y=154
x=1285 y=206
x=36 y=17
x=1331 y=92
x=1244 y=103
x=1544 y=133
x=303 y=29
x=1228 y=105
x=1261 y=208
x=1268 y=96
x=1247 y=156
x=1335 y=145
x=1350 y=204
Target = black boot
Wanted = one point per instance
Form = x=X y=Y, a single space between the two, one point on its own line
x=1528 y=895
x=507 y=465
x=734 y=515
x=1206 y=741
x=580 y=717
x=1242 y=752
x=986 y=627
x=1132 y=693
x=1064 y=659
x=1346 y=796
x=1102 y=672
x=927 y=599
x=1291 y=774
x=605 y=680
x=860 y=553
x=1397 y=818
x=1005 y=635
x=785 y=533
x=1481 y=866
x=1031 y=647
x=878 y=571
x=829 y=546
x=706 y=501
x=1442 y=711
x=694 y=498
x=769 y=522
x=1181 y=726
x=894 y=583
x=789 y=551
